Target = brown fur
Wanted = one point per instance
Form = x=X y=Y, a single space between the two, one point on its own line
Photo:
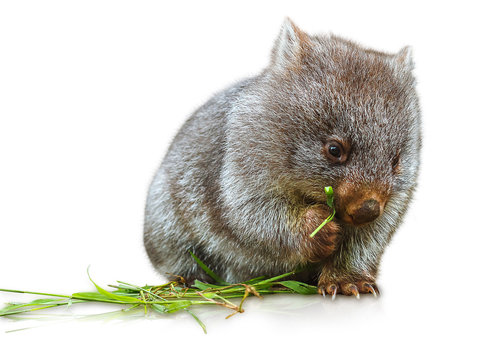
x=324 y=242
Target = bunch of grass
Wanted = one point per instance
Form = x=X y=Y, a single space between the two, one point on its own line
x=169 y=297
x=174 y=295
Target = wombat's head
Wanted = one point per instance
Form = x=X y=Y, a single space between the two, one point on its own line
x=344 y=116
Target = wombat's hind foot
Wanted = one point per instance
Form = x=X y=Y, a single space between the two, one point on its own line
x=347 y=288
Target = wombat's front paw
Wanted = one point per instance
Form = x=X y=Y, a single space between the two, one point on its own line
x=346 y=287
x=324 y=243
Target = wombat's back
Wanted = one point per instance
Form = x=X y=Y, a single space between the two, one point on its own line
x=183 y=212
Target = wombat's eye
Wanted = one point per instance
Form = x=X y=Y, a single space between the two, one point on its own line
x=335 y=151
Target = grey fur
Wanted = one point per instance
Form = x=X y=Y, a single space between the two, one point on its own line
x=237 y=175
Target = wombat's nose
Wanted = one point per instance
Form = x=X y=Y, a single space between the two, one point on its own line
x=367 y=212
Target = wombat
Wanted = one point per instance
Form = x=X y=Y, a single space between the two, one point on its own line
x=242 y=183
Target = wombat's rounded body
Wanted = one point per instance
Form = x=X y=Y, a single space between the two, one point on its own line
x=242 y=183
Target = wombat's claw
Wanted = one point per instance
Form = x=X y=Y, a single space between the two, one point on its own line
x=354 y=290
x=330 y=289
x=333 y=289
x=373 y=289
x=348 y=288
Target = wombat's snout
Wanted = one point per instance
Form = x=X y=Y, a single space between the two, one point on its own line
x=359 y=205
x=364 y=212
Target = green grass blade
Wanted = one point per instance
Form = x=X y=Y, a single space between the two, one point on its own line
x=34 y=293
x=329 y=201
x=275 y=278
x=329 y=196
x=110 y=295
x=254 y=280
x=177 y=305
x=138 y=289
x=202 y=325
x=299 y=287
x=327 y=220
x=161 y=309
x=209 y=272
x=203 y=286
x=98 y=297
x=35 y=305
x=200 y=285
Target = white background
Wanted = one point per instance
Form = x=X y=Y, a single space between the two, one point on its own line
x=91 y=94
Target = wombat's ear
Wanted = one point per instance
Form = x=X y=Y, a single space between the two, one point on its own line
x=404 y=58
x=290 y=46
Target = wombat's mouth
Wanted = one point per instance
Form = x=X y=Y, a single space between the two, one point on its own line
x=355 y=213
